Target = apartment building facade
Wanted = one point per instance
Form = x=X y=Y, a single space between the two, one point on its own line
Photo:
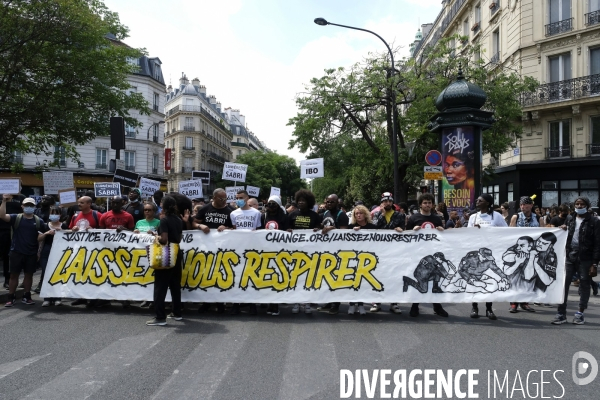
x=558 y=43
x=144 y=152
x=198 y=135
x=244 y=141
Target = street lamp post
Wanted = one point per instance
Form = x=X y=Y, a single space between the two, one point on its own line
x=150 y=127
x=324 y=22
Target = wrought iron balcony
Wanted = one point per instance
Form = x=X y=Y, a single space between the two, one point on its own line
x=569 y=89
x=593 y=149
x=555 y=28
x=189 y=148
x=190 y=108
x=560 y=151
x=495 y=58
x=100 y=166
x=155 y=107
x=130 y=168
x=187 y=170
x=155 y=139
x=216 y=157
x=189 y=128
x=592 y=18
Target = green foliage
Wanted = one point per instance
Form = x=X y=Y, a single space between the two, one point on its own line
x=60 y=77
x=266 y=169
x=345 y=117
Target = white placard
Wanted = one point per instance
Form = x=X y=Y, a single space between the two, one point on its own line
x=191 y=189
x=67 y=197
x=275 y=192
x=11 y=186
x=234 y=172
x=253 y=191
x=148 y=186
x=57 y=180
x=380 y=266
x=232 y=191
x=312 y=168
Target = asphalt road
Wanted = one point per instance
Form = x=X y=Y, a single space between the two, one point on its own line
x=109 y=353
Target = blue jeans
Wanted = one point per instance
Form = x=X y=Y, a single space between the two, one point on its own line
x=583 y=268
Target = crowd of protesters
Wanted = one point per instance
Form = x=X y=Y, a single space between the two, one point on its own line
x=27 y=230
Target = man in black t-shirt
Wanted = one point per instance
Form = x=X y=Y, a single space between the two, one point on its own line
x=135 y=206
x=214 y=215
x=425 y=219
x=561 y=218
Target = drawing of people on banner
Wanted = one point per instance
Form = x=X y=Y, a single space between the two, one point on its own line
x=480 y=273
x=430 y=268
x=458 y=155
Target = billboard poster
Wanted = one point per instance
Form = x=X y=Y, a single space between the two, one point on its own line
x=458 y=161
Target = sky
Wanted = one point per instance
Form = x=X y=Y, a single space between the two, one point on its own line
x=257 y=55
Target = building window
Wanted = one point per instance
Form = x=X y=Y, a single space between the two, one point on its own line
x=188 y=165
x=129 y=131
x=189 y=124
x=494 y=191
x=478 y=16
x=593 y=17
x=560 y=139
x=495 y=47
x=594 y=146
x=155 y=163
x=130 y=160
x=560 y=17
x=510 y=193
x=101 y=158
x=494 y=6
x=156 y=101
x=567 y=191
x=239 y=152
x=18 y=157
x=560 y=67
x=466 y=29
x=60 y=156
x=189 y=143
x=157 y=72
x=595 y=60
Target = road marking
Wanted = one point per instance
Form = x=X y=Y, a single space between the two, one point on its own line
x=199 y=376
x=302 y=377
x=14 y=366
x=87 y=377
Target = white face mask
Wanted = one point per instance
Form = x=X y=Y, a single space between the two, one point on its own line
x=54 y=217
x=581 y=211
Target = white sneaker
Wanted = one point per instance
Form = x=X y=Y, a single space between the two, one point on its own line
x=395 y=308
x=307 y=309
x=351 y=310
x=296 y=309
x=57 y=302
x=361 y=310
x=375 y=307
x=46 y=303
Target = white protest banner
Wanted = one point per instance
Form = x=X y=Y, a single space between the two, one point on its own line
x=312 y=168
x=148 y=186
x=275 y=192
x=107 y=189
x=253 y=191
x=10 y=185
x=57 y=180
x=234 y=172
x=232 y=191
x=67 y=197
x=267 y=266
x=191 y=189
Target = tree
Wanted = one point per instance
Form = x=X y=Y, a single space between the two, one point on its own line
x=61 y=78
x=266 y=169
x=352 y=109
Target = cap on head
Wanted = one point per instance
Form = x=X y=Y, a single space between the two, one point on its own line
x=387 y=196
x=29 y=200
x=526 y=200
x=585 y=200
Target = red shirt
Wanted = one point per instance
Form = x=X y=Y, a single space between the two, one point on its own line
x=89 y=216
x=111 y=220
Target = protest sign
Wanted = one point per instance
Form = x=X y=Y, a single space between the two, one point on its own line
x=312 y=168
x=67 y=197
x=253 y=191
x=428 y=266
x=191 y=189
x=10 y=185
x=232 y=191
x=126 y=178
x=107 y=189
x=275 y=192
x=202 y=175
x=234 y=172
x=148 y=186
x=57 y=180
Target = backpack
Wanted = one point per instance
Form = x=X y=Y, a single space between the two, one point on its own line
x=38 y=222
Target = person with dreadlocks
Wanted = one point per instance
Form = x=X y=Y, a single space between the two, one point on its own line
x=485 y=217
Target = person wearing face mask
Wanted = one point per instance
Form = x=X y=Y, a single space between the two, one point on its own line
x=248 y=219
x=583 y=256
x=55 y=225
x=28 y=229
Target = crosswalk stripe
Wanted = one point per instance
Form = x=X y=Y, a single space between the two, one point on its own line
x=14 y=366
x=200 y=374
x=302 y=377
x=87 y=377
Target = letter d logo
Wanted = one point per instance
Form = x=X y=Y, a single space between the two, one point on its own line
x=581 y=367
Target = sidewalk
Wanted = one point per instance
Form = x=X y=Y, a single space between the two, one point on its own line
x=19 y=292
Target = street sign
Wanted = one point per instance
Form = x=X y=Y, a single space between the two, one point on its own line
x=433 y=157
x=516 y=151
x=433 y=173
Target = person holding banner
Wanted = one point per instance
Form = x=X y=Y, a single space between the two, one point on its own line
x=426 y=220
x=116 y=218
x=360 y=219
x=54 y=225
x=303 y=218
x=149 y=224
x=487 y=217
x=170 y=230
